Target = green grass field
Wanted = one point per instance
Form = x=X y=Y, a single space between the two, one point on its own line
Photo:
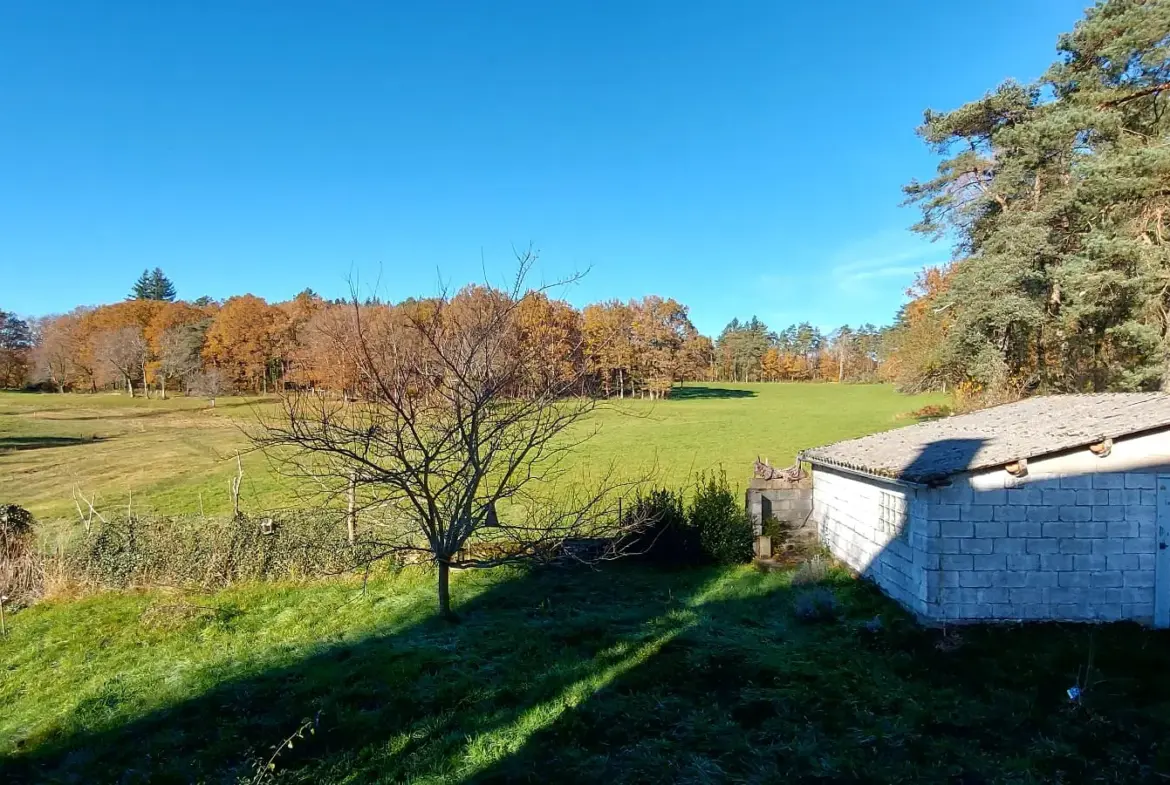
x=167 y=455
x=625 y=675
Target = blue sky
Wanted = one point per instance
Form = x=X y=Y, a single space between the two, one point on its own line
x=742 y=157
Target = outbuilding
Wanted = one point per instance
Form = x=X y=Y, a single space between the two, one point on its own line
x=1054 y=507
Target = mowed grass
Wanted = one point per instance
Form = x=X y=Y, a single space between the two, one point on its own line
x=169 y=457
x=624 y=675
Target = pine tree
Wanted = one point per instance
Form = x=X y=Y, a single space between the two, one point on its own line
x=153 y=285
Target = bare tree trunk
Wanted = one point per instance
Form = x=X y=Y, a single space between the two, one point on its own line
x=621 y=384
x=445 y=589
x=129 y=386
x=349 y=513
x=163 y=385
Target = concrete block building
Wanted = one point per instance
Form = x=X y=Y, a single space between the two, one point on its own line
x=1055 y=507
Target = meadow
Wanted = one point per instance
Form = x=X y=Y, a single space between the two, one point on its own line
x=626 y=673
x=172 y=457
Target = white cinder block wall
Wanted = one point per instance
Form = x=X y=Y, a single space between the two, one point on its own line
x=1075 y=539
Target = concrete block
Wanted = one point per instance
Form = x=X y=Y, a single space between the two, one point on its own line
x=949 y=545
x=1026 y=596
x=1147 y=531
x=956 y=493
x=1010 y=545
x=957 y=528
x=943 y=512
x=1132 y=497
x=1108 y=480
x=1043 y=546
x=1090 y=530
x=1089 y=563
x=993 y=595
x=1123 y=529
x=1141 y=514
x=1011 y=579
x=1041 y=580
x=1062 y=528
x=1059 y=498
x=1106 y=580
x=990 y=561
x=976 y=512
x=949 y=578
x=1042 y=513
x=993 y=529
x=976 y=546
x=1108 y=513
x=1027 y=496
x=994 y=498
x=957 y=563
x=1092 y=498
x=1076 y=547
x=1131 y=594
x=1009 y=512
x=1063 y=594
x=1138 y=611
x=1073 y=513
x=1139 y=480
x=1073 y=611
x=1108 y=547
x=1073 y=580
x=1149 y=498
x=1056 y=562
x=1077 y=481
x=1141 y=545
x=1028 y=528
x=976 y=580
x=1146 y=561
x=1124 y=562
x=1022 y=562
x=1135 y=579
x=1108 y=611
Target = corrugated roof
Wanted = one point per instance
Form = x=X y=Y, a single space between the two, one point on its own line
x=931 y=451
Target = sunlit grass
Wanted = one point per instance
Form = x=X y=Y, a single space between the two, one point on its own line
x=173 y=457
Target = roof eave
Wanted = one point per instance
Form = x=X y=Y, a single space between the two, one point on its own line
x=845 y=469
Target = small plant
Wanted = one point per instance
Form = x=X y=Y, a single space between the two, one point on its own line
x=725 y=532
x=813 y=571
x=816 y=605
x=266 y=769
x=21 y=563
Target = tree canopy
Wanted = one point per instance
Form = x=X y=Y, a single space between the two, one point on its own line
x=1056 y=195
x=153 y=285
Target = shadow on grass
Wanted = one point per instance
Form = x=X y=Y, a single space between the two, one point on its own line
x=706 y=393
x=416 y=702
x=631 y=675
x=18 y=443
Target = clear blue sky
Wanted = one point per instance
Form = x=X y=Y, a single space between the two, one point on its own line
x=742 y=157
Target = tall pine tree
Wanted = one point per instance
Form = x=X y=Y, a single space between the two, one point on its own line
x=153 y=285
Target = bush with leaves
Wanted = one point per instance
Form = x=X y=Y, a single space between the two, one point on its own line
x=816 y=604
x=723 y=526
x=666 y=537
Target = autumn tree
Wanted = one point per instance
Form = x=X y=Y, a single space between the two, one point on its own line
x=438 y=448
x=122 y=351
x=608 y=330
x=243 y=340
x=16 y=345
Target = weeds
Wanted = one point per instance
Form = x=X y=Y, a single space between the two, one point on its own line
x=815 y=605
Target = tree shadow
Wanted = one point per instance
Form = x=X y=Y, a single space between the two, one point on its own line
x=706 y=393
x=19 y=443
x=403 y=703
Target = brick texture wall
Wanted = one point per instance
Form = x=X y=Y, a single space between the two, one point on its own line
x=1076 y=539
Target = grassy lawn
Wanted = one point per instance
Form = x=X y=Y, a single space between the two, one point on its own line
x=623 y=675
x=170 y=454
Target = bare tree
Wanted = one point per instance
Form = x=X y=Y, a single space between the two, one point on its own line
x=445 y=456
x=125 y=351
x=210 y=384
x=178 y=355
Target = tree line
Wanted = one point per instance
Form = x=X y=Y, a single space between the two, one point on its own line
x=1057 y=194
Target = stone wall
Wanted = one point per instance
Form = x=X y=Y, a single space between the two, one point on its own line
x=790 y=502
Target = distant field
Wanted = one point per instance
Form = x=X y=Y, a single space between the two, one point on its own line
x=169 y=455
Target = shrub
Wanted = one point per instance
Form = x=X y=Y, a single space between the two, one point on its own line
x=21 y=565
x=817 y=604
x=812 y=571
x=723 y=527
x=666 y=537
x=210 y=553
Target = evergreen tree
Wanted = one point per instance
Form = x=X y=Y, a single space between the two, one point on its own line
x=153 y=285
x=1057 y=194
